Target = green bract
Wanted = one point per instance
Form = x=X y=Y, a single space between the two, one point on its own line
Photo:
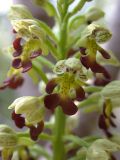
x=112 y=90
x=101 y=150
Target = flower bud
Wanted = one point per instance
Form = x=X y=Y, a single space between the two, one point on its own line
x=8 y=137
x=94 y=14
x=19 y=12
x=6 y=129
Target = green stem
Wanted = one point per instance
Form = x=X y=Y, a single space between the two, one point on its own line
x=40 y=72
x=45 y=62
x=78 y=7
x=59 y=131
x=48 y=30
x=52 y=49
x=63 y=27
x=63 y=40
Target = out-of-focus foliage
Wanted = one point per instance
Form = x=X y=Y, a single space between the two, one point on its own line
x=5 y=40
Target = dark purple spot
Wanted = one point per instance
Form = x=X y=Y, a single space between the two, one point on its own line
x=108 y=134
x=112 y=123
x=80 y=94
x=16 y=82
x=101 y=81
x=89 y=22
x=68 y=106
x=36 y=54
x=83 y=50
x=85 y=61
x=113 y=157
x=101 y=123
x=50 y=86
x=104 y=53
x=16 y=63
x=16 y=44
x=97 y=68
x=27 y=65
x=71 y=52
x=17 y=53
x=18 y=119
x=14 y=31
x=52 y=101
x=35 y=131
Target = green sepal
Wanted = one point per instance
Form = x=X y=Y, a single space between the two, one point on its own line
x=19 y=11
x=8 y=140
x=25 y=141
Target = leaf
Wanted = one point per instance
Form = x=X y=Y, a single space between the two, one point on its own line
x=50 y=9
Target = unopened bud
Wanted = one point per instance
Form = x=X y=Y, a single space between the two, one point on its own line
x=8 y=137
x=19 y=12
x=94 y=14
